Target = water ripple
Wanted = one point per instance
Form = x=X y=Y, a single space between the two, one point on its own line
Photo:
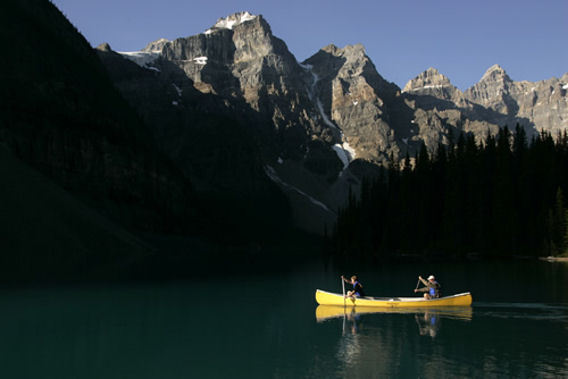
x=533 y=311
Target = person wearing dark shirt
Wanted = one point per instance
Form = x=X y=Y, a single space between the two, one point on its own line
x=357 y=287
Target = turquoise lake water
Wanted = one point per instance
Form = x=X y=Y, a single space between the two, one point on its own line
x=265 y=326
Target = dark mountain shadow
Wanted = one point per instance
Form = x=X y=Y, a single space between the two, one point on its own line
x=212 y=147
x=429 y=102
x=82 y=173
x=221 y=80
x=62 y=115
x=75 y=146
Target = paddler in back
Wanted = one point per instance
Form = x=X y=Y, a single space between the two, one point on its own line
x=357 y=287
x=432 y=289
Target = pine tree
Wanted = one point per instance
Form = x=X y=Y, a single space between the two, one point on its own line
x=472 y=197
x=559 y=226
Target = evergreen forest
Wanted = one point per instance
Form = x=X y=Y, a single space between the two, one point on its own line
x=503 y=196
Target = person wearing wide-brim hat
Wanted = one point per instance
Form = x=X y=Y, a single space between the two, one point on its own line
x=432 y=289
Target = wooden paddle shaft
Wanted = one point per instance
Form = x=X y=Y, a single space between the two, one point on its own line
x=343 y=287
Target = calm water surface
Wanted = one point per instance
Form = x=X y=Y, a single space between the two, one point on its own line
x=265 y=326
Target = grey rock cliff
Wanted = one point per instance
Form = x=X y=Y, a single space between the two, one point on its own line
x=315 y=120
x=537 y=106
x=247 y=63
x=348 y=90
x=432 y=83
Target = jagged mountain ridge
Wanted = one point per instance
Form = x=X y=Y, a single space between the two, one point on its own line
x=499 y=100
x=248 y=74
x=246 y=62
x=476 y=110
x=312 y=119
x=88 y=190
x=542 y=105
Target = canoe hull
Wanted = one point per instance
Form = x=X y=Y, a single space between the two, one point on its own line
x=330 y=298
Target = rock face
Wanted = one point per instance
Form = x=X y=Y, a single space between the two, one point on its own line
x=218 y=154
x=535 y=105
x=495 y=101
x=432 y=83
x=243 y=72
x=239 y=59
x=314 y=121
x=493 y=90
x=440 y=110
x=354 y=100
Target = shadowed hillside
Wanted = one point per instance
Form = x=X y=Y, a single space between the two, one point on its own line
x=47 y=233
x=86 y=178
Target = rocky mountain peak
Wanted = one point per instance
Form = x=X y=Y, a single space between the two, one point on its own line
x=155 y=46
x=429 y=79
x=231 y=21
x=431 y=83
x=354 y=50
x=493 y=91
x=495 y=73
x=331 y=48
x=104 y=47
x=348 y=61
x=350 y=93
x=349 y=52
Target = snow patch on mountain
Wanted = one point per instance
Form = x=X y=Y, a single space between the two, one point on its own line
x=271 y=173
x=344 y=152
x=141 y=58
x=200 y=60
x=314 y=98
x=231 y=21
x=178 y=90
x=343 y=155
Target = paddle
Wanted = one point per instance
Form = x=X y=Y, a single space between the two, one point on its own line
x=344 y=306
x=417 y=284
x=343 y=287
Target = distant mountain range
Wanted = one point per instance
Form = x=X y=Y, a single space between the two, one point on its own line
x=223 y=133
x=322 y=124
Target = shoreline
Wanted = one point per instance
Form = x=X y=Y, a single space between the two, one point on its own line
x=554 y=259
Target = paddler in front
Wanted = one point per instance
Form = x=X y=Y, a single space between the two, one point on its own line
x=432 y=289
x=357 y=287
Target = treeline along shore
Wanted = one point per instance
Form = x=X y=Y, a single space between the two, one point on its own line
x=503 y=196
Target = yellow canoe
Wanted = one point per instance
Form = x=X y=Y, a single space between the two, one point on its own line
x=326 y=312
x=330 y=298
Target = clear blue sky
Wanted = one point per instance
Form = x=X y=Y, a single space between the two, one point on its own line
x=528 y=38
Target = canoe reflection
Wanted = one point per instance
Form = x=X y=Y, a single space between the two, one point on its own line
x=428 y=319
